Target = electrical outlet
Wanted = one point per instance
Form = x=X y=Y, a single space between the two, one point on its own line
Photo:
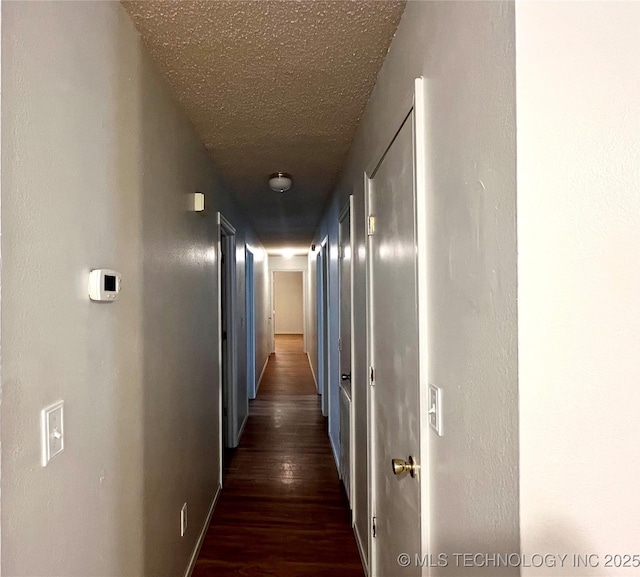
x=183 y=520
x=52 y=428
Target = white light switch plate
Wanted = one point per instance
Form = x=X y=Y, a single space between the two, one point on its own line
x=52 y=425
x=435 y=409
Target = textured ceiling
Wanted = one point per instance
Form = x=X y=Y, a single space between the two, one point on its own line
x=272 y=85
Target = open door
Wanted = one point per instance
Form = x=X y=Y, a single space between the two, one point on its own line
x=398 y=434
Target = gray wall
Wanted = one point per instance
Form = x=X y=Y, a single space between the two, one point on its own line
x=97 y=165
x=466 y=52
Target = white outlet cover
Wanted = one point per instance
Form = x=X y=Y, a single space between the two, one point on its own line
x=52 y=426
x=435 y=409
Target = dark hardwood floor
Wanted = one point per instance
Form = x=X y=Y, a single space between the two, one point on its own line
x=282 y=512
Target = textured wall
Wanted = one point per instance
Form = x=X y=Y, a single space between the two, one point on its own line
x=288 y=302
x=97 y=164
x=578 y=279
x=466 y=52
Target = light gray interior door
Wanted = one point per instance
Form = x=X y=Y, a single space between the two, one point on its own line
x=393 y=341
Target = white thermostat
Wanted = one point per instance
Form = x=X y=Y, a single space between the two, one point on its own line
x=104 y=284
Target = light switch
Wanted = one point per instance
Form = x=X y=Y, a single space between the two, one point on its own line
x=435 y=409
x=52 y=424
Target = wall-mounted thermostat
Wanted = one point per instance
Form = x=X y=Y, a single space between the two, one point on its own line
x=104 y=285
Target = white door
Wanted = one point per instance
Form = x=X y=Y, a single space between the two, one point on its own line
x=344 y=240
x=393 y=353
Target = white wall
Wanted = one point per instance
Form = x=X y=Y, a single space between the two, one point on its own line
x=277 y=262
x=97 y=165
x=466 y=52
x=579 y=279
x=288 y=302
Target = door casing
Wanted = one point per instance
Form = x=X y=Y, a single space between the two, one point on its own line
x=250 y=322
x=304 y=305
x=228 y=385
x=347 y=342
x=323 y=315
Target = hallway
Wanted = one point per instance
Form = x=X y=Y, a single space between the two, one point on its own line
x=282 y=510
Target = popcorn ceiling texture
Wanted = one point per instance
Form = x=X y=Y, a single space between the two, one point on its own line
x=272 y=85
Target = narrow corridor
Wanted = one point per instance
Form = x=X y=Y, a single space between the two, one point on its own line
x=282 y=511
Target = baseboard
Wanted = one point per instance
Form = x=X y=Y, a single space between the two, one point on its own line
x=244 y=422
x=335 y=456
x=312 y=373
x=203 y=532
x=262 y=374
x=365 y=564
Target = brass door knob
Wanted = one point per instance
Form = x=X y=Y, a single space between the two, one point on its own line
x=400 y=466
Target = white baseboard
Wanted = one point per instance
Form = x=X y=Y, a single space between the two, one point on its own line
x=365 y=563
x=312 y=373
x=244 y=422
x=262 y=374
x=203 y=532
x=335 y=456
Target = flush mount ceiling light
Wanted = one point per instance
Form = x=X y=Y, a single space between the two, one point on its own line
x=280 y=181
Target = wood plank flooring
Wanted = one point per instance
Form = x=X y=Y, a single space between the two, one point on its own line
x=282 y=512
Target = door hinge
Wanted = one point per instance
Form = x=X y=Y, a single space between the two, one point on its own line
x=371 y=229
x=372 y=376
x=340 y=344
x=374 y=529
x=339 y=251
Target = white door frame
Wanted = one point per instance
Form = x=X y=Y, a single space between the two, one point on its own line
x=273 y=309
x=422 y=159
x=348 y=210
x=417 y=102
x=225 y=228
x=323 y=314
x=250 y=321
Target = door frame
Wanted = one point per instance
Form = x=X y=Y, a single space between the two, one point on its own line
x=250 y=320
x=227 y=392
x=348 y=211
x=304 y=304
x=323 y=306
x=414 y=101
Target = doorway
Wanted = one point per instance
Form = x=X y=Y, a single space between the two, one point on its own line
x=227 y=339
x=288 y=305
x=345 y=346
x=251 y=323
x=396 y=285
x=322 y=315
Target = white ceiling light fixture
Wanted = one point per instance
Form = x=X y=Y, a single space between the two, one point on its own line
x=280 y=181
